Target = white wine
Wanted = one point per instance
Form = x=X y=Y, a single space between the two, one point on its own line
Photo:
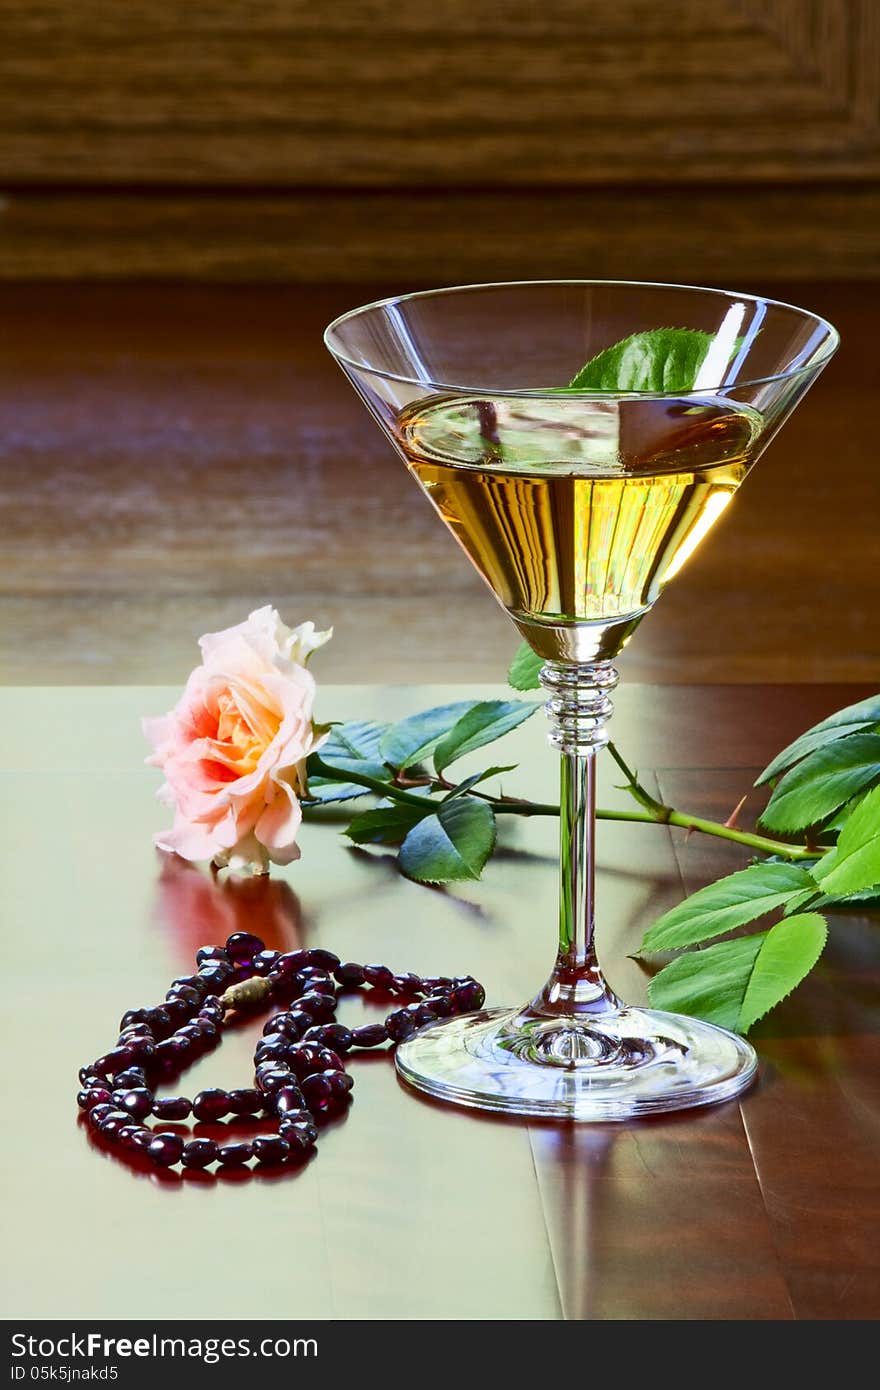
x=575 y=513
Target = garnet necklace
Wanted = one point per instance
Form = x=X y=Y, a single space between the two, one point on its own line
x=299 y=1077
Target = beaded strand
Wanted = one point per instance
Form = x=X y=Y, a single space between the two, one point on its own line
x=299 y=1072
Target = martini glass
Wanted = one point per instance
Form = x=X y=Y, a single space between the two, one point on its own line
x=577 y=508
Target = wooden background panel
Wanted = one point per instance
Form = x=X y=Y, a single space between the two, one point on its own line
x=455 y=92
x=734 y=235
x=173 y=456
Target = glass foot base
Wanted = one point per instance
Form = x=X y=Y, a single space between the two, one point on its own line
x=622 y=1065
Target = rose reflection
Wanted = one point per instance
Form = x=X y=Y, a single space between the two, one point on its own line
x=202 y=909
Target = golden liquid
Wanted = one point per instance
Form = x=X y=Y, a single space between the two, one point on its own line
x=578 y=512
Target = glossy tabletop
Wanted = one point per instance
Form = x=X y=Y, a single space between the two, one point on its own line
x=766 y=1208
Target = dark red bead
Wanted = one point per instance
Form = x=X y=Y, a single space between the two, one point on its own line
x=288 y=1099
x=198 y=1153
x=114 y=1122
x=98 y=1114
x=166 y=1149
x=217 y=976
x=185 y=994
x=300 y=1136
x=133 y=1016
x=320 y=1007
x=369 y=1035
x=172 y=1108
x=177 y=1011
x=310 y=1057
x=131 y=1077
x=92 y=1082
x=425 y=1014
x=407 y=984
x=235 y=1155
x=159 y=1021
x=467 y=997
x=172 y=1053
x=318 y=1091
x=324 y=960
x=340 y=1082
x=299 y=1021
x=349 y=974
x=334 y=1035
x=379 y=976
x=276 y=1050
x=290 y=962
x=440 y=1004
x=243 y=946
x=295 y=1117
x=142 y=1138
x=89 y=1076
x=264 y=961
x=400 y=1025
x=192 y=982
x=142 y=1047
x=137 y=1103
x=127 y=1136
x=270 y=1148
x=96 y=1095
x=118 y=1059
x=211 y=1104
x=245 y=1101
x=210 y=953
x=133 y=1030
x=273 y=1078
x=311 y=978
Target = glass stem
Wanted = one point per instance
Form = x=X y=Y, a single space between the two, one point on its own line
x=579 y=707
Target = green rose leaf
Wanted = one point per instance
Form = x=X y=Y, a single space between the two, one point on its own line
x=461 y=787
x=326 y=788
x=415 y=738
x=352 y=746
x=357 y=739
x=853 y=866
x=852 y=720
x=482 y=724
x=823 y=782
x=729 y=903
x=788 y=953
x=734 y=983
x=858 y=904
x=386 y=825
x=452 y=845
x=662 y=359
x=522 y=674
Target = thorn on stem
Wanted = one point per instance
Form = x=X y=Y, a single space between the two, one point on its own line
x=733 y=818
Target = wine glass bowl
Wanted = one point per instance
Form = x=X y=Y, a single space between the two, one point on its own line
x=578 y=501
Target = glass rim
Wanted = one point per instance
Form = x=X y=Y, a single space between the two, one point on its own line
x=814 y=366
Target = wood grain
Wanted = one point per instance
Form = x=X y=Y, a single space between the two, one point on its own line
x=175 y=456
x=371 y=93
x=730 y=234
x=413 y=1209
x=671 y=1206
x=814 y=1125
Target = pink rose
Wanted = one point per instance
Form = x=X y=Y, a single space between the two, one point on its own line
x=233 y=749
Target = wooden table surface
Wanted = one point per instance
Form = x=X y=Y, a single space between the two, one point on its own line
x=766 y=1208
x=172 y=456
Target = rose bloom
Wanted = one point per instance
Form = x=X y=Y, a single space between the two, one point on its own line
x=233 y=749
